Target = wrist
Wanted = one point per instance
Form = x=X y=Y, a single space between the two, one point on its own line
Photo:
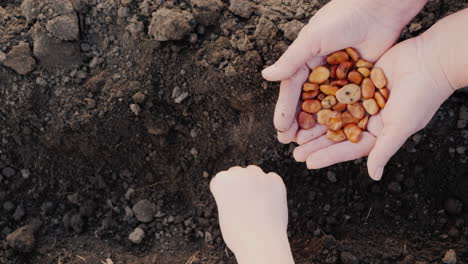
x=275 y=249
x=390 y=11
x=446 y=49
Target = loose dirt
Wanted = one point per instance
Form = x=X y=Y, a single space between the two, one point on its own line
x=112 y=123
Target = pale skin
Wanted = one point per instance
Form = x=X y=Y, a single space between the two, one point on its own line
x=422 y=73
x=253 y=215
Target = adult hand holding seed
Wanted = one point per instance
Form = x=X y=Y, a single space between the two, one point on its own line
x=253 y=215
x=422 y=73
x=370 y=26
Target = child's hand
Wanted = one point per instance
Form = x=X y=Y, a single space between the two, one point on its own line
x=253 y=214
x=370 y=26
x=418 y=86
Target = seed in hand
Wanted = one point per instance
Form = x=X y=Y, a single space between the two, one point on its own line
x=306 y=121
x=334 y=121
x=308 y=87
x=371 y=106
x=319 y=75
x=357 y=110
x=349 y=94
x=337 y=57
x=336 y=136
x=329 y=102
x=342 y=95
x=353 y=133
x=329 y=89
x=378 y=77
x=309 y=95
x=311 y=106
x=368 y=88
x=322 y=116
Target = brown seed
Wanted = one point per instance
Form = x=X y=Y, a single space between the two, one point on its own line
x=309 y=95
x=322 y=116
x=380 y=99
x=333 y=71
x=348 y=118
x=339 y=107
x=349 y=94
x=329 y=101
x=371 y=106
x=319 y=75
x=355 y=77
x=353 y=133
x=385 y=92
x=307 y=87
x=378 y=77
x=363 y=63
x=329 y=89
x=305 y=120
x=311 y=106
x=343 y=70
x=339 y=82
x=321 y=96
x=363 y=123
x=368 y=88
x=364 y=71
x=357 y=110
x=353 y=53
x=336 y=136
x=334 y=121
x=337 y=57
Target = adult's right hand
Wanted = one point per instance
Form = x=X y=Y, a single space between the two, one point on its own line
x=370 y=26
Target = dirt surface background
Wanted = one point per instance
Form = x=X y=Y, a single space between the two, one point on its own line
x=112 y=125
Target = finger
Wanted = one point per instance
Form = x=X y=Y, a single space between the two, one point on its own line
x=254 y=169
x=306 y=46
x=375 y=124
x=341 y=152
x=288 y=99
x=304 y=136
x=289 y=135
x=313 y=62
x=388 y=142
x=302 y=152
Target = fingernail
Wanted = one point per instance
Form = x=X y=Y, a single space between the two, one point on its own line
x=378 y=173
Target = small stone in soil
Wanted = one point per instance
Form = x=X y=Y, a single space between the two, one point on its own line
x=144 y=211
x=25 y=173
x=138 y=97
x=129 y=193
x=135 y=109
x=136 y=236
x=8 y=172
x=450 y=257
x=19 y=213
x=22 y=239
x=20 y=59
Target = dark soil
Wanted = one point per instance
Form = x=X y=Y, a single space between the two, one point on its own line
x=111 y=116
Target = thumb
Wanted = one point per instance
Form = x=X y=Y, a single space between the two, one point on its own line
x=388 y=142
x=307 y=45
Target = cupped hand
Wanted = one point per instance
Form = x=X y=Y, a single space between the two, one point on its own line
x=253 y=214
x=370 y=26
x=418 y=86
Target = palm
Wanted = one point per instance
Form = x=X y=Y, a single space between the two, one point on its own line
x=412 y=84
x=329 y=30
